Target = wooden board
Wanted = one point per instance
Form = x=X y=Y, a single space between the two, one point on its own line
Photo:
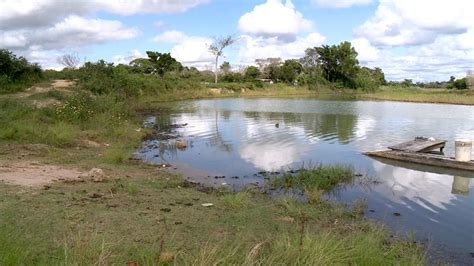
x=419 y=145
x=423 y=158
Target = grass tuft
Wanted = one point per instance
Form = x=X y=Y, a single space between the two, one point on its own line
x=320 y=177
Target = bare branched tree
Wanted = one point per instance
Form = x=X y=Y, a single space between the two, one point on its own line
x=71 y=61
x=217 y=49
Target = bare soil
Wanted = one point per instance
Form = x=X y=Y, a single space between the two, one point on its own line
x=32 y=173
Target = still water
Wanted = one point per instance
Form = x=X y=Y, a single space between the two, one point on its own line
x=240 y=137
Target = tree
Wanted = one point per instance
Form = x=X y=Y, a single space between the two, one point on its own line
x=460 y=84
x=163 y=62
x=225 y=67
x=141 y=65
x=339 y=63
x=217 y=49
x=311 y=58
x=290 y=71
x=252 y=73
x=71 y=61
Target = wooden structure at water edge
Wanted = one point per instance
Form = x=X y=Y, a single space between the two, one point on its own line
x=421 y=151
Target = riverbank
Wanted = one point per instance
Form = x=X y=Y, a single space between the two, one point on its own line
x=419 y=95
x=119 y=210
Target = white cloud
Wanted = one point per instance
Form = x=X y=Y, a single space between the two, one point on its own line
x=366 y=52
x=406 y=22
x=125 y=59
x=73 y=31
x=340 y=3
x=259 y=47
x=436 y=39
x=38 y=13
x=189 y=50
x=274 y=19
x=172 y=36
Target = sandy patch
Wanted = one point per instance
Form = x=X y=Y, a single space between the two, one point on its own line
x=62 y=83
x=30 y=173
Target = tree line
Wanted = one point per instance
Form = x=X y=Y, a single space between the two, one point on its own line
x=328 y=65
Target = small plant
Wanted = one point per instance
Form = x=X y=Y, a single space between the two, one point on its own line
x=79 y=107
x=320 y=177
x=237 y=200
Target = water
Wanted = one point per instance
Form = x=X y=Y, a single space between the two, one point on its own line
x=243 y=136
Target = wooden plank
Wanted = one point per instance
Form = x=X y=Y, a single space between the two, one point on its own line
x=423 y=158
x=419 y=145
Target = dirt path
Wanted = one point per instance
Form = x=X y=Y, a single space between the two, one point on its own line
x=32 y=173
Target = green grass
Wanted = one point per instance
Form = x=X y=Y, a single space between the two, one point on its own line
x=321 y=177
x=127 y=219
x=422 y=95
x=144 y=215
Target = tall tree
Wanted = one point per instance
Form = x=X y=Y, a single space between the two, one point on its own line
x=163 y=62
x=339 y=63
x=217 y=49
x=290 y=70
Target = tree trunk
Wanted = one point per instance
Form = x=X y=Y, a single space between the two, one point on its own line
x=215 y=73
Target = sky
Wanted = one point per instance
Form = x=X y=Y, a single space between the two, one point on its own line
x=423 y=40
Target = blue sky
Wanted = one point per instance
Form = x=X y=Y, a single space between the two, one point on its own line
x=392 y=34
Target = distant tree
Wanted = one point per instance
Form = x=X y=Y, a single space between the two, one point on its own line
x=71 y=61
x=225 y=67
x=339 y=63
x=217 y=49
x=460 y=84
x=407 y=83
x=163 y=62
x=270 y=68
x=311 y=58
x=141 y=65
x=290 y=71
x=252 y=73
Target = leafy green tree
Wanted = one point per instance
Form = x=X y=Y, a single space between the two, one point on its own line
x=460 y=84
x=290 y=71
x=252 y=73
x=407 y=83
x=339 y=63
x=163 y=62
x=142 y=65
x=225 y=67
x=16 y=73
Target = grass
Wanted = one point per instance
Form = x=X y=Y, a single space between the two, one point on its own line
x=320 y=178
x=421 y=95
x=144 y=215
x=125 y=219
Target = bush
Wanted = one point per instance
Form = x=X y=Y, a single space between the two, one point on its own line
x=16 y=73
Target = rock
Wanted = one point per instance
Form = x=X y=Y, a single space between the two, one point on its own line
x=207 y=204
x=96 y=175
x=181 y=144
x=165 y=209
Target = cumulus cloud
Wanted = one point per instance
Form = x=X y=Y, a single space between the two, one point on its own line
x=189 y=50
x=38 y=13
x=340 y=3
x=73 y=31
x=274 y=19
x=437 y=37
x=406 y=22
x=125 y=59
x=366 y=52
